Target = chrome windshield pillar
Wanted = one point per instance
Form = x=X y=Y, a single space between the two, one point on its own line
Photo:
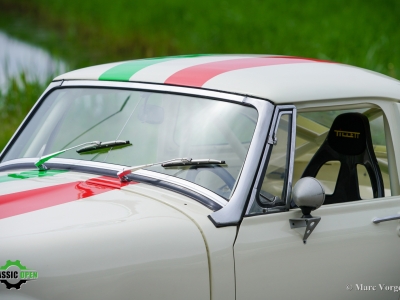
x=232 y=212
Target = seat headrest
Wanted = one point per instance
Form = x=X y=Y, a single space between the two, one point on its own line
x=349 y=133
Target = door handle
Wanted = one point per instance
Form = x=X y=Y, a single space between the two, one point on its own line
x=389 y=218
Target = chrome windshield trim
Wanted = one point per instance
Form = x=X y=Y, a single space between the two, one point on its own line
x=184 y=183
x=116 y=168
x=155 y=87
x=233 y=212
x=63 y=161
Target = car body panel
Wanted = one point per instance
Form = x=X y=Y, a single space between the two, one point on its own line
x=281 y=79
x=337 y=254
x=291 y=83
x=219 y=241
x=127 y=230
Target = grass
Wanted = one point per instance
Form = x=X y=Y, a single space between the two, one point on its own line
x=358 y=32
x=15 y=103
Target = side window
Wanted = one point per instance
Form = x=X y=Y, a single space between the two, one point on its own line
x=273 y=183
x=344 y=175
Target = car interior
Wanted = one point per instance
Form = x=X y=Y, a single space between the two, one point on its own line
x=348 y=142
x=329 y=148
x=344 y=149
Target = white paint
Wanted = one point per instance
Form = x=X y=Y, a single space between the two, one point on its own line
x=120 y=243
x=291 y=83
x=345 y=248
x=286 y=83
x=92 y=73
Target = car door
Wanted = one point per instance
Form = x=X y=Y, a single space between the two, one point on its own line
x=347 y=256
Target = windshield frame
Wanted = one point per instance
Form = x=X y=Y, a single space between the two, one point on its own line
x=243 y=185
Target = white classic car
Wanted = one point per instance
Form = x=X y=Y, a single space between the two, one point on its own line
x=204 y=177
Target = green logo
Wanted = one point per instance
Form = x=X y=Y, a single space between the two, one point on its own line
x=13 y=274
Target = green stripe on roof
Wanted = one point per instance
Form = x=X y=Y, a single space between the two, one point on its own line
x=30 y=174
x=126 y=70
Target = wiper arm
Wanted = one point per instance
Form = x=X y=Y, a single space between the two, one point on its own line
x=170 y=163
x=89 y=147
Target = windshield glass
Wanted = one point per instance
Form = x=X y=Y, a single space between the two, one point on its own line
x=159 y=127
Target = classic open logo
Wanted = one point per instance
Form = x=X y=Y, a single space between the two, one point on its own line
x=13 y=274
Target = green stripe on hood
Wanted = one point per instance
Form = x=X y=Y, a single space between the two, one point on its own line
x=30 y=174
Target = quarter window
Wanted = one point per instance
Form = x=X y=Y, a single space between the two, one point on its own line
x=273 y=187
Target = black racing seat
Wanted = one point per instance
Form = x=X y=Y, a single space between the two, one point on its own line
x=349 y=141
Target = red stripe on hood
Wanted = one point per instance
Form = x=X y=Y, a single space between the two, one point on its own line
x=27 y=201
x=197 y=76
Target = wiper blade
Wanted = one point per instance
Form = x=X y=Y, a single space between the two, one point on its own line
x=92 y=145
x=170 y=163
x=105 y=145
x=184 y=162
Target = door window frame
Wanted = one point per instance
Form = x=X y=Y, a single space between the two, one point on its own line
x=280 y=110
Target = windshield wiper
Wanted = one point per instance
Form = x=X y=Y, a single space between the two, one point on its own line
x=103 y=145
x=91 y=147
x=170 y=163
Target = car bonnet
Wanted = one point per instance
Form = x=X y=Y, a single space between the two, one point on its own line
x=33 y=202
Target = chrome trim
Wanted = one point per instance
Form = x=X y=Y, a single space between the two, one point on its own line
x=232 y=213
x=117 y=168
x=155 y=87
x=389 y=218
x=289 y=186
x=184 y=183
x=51 y=86
x=64 y=161
x=280 y=110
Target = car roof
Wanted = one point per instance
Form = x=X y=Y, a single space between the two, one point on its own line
x=281 y=79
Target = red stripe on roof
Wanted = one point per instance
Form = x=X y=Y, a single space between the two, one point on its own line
x=197 y=76
x=27 y=201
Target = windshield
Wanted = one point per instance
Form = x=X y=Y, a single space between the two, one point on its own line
x=159 y=127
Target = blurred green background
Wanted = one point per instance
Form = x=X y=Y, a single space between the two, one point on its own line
x=82 y=33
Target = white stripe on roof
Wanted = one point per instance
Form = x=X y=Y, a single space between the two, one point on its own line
x=91 y=73
x=307 y=81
